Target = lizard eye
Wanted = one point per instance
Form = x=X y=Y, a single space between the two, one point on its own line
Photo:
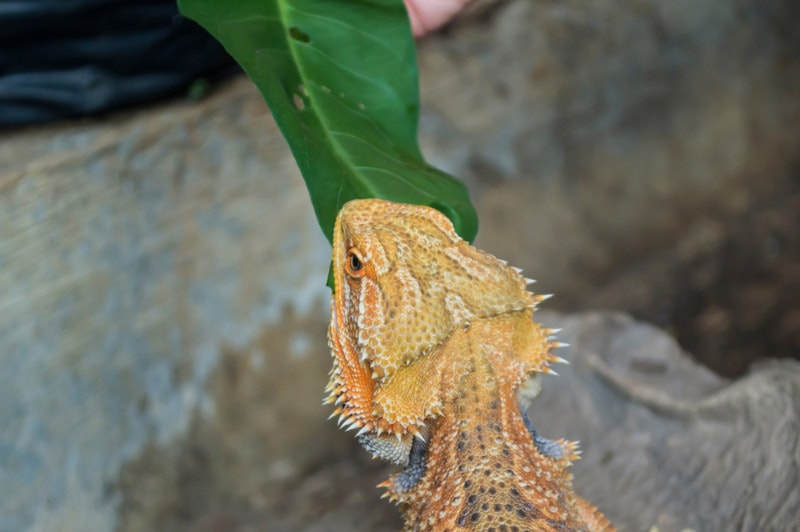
x=354 y=265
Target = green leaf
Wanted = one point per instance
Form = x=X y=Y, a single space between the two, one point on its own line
x=340 y=78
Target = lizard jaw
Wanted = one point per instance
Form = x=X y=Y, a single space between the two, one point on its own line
x=351 y=388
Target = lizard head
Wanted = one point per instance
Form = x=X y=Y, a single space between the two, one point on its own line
x=404 y=281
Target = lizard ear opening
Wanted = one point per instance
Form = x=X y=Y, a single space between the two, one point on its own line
x=354 y=264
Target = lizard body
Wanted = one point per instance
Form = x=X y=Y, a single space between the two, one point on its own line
x=435 y=355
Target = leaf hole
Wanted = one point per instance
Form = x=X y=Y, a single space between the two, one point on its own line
x=361 y=106
x=298 y=35
x=298 y=102
x=302 y=90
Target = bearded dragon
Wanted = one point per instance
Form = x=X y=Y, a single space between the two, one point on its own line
x=435 y=356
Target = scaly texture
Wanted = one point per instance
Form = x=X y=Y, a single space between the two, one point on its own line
x=435 y=355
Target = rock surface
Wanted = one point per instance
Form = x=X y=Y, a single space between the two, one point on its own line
x=136 y=252
x=163 y=307
x=669 y=444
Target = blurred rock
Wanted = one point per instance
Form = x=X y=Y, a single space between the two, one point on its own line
x=667 y=443
x=138 y=254
x=646 y=114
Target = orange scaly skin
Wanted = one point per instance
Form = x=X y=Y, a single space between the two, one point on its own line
x=435 y=355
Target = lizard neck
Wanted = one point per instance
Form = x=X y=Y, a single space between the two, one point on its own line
x=483 y=466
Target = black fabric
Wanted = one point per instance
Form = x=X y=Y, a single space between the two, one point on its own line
x=68 y=58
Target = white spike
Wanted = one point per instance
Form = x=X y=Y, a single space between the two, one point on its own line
x=399 y=438
x=363 y=430
x=545 y=297
x=556 y=345
x=518 y=270
x=529 y=281
x=559 y=360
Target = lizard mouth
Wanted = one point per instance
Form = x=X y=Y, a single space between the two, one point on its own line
x=350 y=387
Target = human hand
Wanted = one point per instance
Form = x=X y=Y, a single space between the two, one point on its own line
x=427 y=15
